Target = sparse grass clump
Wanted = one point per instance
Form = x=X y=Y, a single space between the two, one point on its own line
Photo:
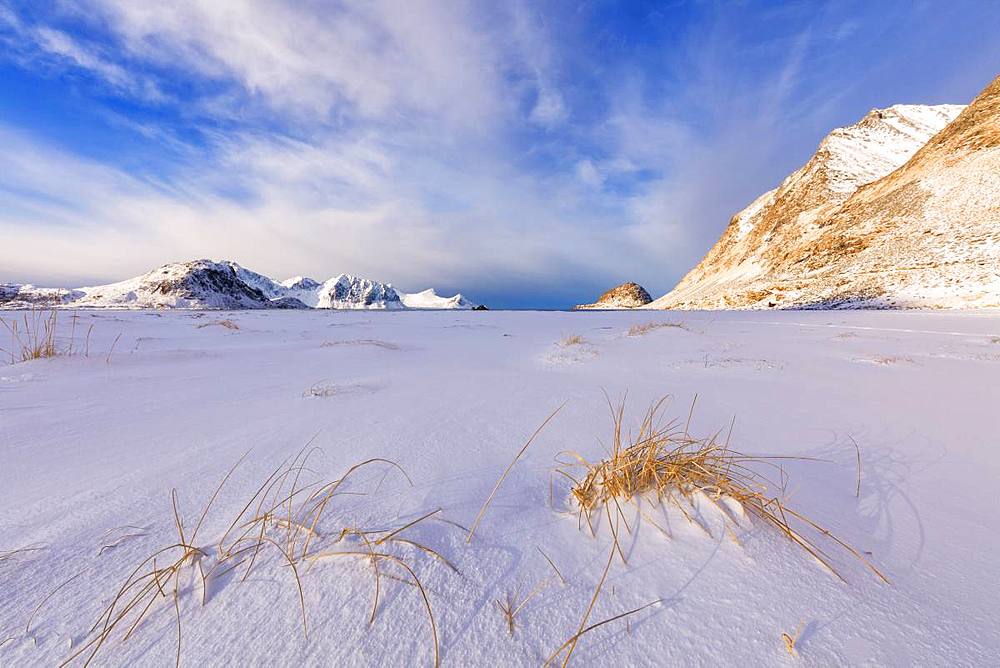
x=320 y=389
x=361 y=342
x=664 y=461
x=33 y=336
x=284 y=516
x=572 y=340
x=228 y=324
x=646 y=328
x=513 y=603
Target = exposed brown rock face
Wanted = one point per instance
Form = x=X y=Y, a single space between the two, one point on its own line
x=626 y=295
x=888 y=213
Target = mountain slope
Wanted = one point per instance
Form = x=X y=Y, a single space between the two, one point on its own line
x=204 y=284
x=199 y=284
x=888 y=213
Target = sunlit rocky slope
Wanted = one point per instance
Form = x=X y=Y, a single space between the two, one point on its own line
x=899 y=210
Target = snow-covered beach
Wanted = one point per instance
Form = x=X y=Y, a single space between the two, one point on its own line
x=91 y=447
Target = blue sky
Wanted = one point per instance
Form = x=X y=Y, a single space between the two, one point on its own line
x=529 y=154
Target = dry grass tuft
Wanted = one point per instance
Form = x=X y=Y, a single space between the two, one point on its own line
x=646 y=328
x=321 y=389
x=228 y=324
x=572 y=340
x=513 y=603
x=33 y=336
x=284 y=516
x=361 y=342
x=664 y=461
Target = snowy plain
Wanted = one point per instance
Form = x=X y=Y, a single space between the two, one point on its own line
x=91 y=445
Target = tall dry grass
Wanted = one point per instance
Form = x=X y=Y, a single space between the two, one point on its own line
x=284 y=517
x=664 y=461
x=33 y=336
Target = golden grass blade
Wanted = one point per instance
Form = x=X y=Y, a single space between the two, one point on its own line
x=602 y=623
x=111 y=352
x=177 y=611
x=332 y=487
x=11 y=554
x=27 y=626
x=177 y=517
x=397 y=560
x=197 y=527
x=406 y=526
x=570 y=645
x=503 y=476
x=298 y=583
x=434 y=553
x=552 y=564
x=857 y=491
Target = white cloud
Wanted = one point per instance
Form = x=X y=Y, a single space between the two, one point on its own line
x=549 y=108
x=401 y=167
x=43 y=43
x=67 y=219
x=381 y=60
x=587 y=172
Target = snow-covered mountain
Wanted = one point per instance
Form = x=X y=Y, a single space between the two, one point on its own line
x=204 y=284
x=901 y=209
x=430 y=299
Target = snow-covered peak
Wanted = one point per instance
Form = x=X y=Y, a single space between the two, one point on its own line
x=848 y=158
x=880 y=142
x=195 y=284
x=430 y=299
x=897 y=210
x=207 y=284
x=270 y=288
x=346 y=291
x=300 y=283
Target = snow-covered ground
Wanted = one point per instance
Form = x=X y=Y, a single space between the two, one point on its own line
x=90 y=449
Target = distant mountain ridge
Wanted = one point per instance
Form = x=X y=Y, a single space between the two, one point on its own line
x=900 y=210
x=206 y=284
